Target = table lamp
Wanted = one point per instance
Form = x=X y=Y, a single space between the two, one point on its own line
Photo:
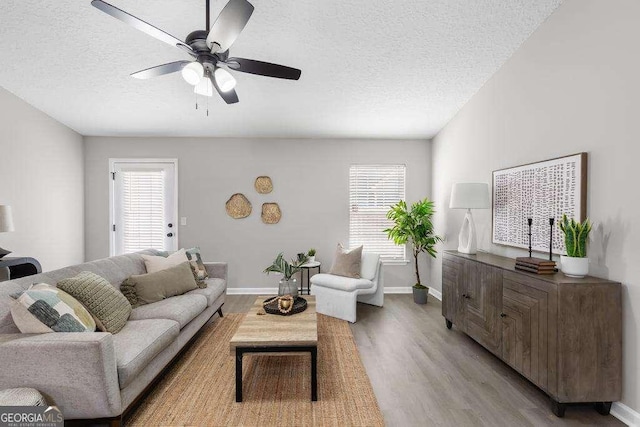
x=469 y=195
x=6 y=224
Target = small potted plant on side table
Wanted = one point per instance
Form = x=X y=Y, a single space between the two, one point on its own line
x=575 y=263
x=311 y=255
x=413 y=225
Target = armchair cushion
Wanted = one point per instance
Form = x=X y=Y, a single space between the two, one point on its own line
x=340 y=283
x=347 y=262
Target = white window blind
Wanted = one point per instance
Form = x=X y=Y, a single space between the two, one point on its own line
x=143 y=210
x=372 y=190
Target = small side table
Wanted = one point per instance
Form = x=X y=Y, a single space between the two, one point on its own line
x=20 y=266
x=308 y=267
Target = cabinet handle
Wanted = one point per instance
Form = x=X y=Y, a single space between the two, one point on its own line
x=467 y=296
x=503 y=315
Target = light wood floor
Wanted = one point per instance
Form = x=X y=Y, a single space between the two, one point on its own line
x=424 y=374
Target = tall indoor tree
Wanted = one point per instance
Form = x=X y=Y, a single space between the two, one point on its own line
x=414 y=226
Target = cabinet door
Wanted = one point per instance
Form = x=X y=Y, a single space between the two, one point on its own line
x=529 y=331
x=483 y=302
x=452 y=289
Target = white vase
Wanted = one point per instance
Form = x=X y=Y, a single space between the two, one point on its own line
x=574 y=267
x=311 y=258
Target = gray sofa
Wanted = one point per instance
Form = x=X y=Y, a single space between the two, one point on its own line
x=98 y=375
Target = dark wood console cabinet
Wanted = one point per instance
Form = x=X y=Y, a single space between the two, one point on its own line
x=563 y=334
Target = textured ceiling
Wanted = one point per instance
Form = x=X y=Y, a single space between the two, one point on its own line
x=370 y=68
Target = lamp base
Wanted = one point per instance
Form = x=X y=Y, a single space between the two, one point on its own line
x=4 y=252
x=467 y=242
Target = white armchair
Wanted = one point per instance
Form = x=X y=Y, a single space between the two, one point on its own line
x=337 y=296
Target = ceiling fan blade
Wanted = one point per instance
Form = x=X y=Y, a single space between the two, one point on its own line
x=263 y=68
x=230 y=97
x=160 y=70
x=141 y=25
x=232 y=19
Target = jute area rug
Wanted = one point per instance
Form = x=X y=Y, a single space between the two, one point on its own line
x=200 y=389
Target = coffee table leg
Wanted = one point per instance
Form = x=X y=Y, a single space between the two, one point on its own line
x=314 y=374
x=238 y=375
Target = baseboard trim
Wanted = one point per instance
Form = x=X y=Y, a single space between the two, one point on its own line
x=625 y=414
x=270 y=291
x=252 y=291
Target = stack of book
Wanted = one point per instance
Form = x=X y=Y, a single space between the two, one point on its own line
x=535 y=265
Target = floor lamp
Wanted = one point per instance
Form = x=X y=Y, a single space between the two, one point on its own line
x=469 y=195
x=6 y=224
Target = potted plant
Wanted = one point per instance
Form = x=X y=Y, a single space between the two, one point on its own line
x=413 y=225
x=287 y=285
x=576 y=234
x=311 y=255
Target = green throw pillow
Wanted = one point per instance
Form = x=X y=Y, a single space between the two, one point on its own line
x=153 y=287
x=44 y=308
x=106 y=304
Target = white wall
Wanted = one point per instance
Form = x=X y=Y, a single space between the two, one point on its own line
x=573 y=86
x=311 y=184
x=41 y=177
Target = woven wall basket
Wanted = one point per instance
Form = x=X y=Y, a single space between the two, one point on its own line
x=263 y=185
x=271 y=213
x=238 y=206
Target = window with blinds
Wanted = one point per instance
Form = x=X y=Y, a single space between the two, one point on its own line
x=372 y=190
x=143 y=210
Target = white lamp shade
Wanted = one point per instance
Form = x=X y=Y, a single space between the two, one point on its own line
x=205 y=87
x=224 y=79
x=6 y=219
x=470 y=195
x=192 y=73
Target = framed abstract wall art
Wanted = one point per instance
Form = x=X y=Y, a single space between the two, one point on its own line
x=539 y=191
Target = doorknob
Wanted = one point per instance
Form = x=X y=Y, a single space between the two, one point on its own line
x=169 y=234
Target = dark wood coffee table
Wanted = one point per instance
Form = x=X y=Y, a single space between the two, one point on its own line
x=274 y=335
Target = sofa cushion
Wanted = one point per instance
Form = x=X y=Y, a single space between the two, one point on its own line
x=183 y=309
x=215 y=288
x=347 y=284
x=107 y=305
x=159 y=263
x=195 y=259
x=153 y=287
x=138 y=343
x=55 y=309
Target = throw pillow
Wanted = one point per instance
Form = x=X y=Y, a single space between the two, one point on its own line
x=54 y=310
x=195 y=259
x=347 y=262
x=158 y=263
x=107 y=305
x=152 y=287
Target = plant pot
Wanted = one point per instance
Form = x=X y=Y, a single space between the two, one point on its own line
x=288 y=287
x=574 y=267
x=311 y=259
x=420 y=295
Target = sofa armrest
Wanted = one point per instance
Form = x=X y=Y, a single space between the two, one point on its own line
x=216 y=270
x=75 y=371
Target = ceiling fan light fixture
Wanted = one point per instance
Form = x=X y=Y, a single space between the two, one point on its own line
x=224 y=79
x=204 y=87
x=192 y=73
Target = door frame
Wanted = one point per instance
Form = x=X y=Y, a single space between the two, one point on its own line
x=112 y=162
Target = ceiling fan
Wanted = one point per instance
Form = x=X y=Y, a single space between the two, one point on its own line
x=210 y=50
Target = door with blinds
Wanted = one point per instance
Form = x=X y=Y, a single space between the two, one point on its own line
x=144 y=205
x=372 y=190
